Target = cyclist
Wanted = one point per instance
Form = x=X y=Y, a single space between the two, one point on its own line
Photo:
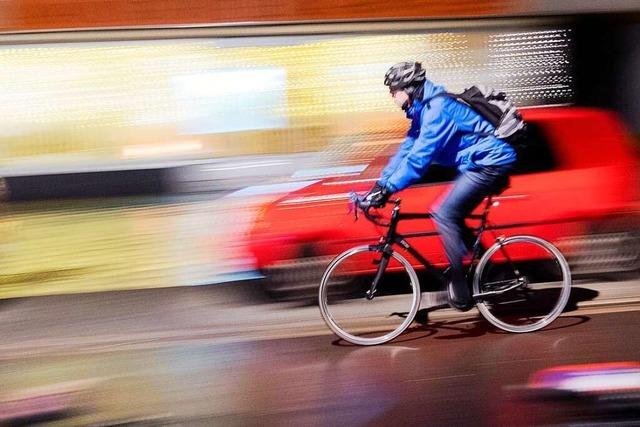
x=449 y=133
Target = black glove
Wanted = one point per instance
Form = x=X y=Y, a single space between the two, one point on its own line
x=378 y=196
x=375 y=189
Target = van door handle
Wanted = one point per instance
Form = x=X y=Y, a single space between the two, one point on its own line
x=511 y=197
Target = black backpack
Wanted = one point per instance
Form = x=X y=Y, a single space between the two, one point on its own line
x=497 y=109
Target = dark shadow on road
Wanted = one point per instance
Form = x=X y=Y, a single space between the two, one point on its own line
x=466 y=328
x=407 y=336
x=560 y=323
x=470 y=328
x=566 y=322
x=579 y=295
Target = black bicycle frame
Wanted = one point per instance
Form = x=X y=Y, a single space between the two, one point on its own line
x=393 y=237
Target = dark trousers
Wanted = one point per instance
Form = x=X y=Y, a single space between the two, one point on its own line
x=467 y=192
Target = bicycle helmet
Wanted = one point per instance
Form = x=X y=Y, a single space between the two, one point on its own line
x=404 y=75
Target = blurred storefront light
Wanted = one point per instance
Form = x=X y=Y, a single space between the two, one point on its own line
x=106 y=100
x=168 y=149
x=232 y=100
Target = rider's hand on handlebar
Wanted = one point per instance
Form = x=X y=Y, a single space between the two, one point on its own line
x=376 y=188
x=377 y=197
x=364 y=203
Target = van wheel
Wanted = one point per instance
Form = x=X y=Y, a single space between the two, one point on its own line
x=603 y=254
x=297 y=279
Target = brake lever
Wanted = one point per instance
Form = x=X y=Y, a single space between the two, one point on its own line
x=353 y=206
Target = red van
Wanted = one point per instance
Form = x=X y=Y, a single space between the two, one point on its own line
x=577 y=186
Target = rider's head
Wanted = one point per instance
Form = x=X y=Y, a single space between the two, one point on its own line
x=403 y=79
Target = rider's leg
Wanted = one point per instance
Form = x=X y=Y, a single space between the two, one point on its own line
x=468 y=190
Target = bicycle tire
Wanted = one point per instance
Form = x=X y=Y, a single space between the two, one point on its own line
x=486 y=308
x=340 y=331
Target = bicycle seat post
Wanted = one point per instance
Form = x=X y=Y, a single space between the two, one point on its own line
x=487 y=208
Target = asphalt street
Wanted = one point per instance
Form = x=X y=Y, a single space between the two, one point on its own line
x=222 y=355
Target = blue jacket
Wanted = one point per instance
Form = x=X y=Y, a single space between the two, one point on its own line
x=441 y=131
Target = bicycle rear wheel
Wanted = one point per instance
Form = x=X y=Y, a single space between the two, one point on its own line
x=358 y=319
x=525 y=284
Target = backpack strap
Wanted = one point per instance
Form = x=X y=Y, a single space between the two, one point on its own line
x=447 y=95
x=457 y=97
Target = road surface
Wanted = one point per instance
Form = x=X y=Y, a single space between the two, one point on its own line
x=219 y=355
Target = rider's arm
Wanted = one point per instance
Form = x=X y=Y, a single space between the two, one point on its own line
x=402 y=152
x=435 y=130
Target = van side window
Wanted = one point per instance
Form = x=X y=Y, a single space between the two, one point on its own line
x=536 y=156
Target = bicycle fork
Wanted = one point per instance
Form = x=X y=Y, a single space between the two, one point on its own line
x=382 y=266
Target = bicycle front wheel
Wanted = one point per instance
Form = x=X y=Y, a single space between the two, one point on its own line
x=361 y=320
x=522 y=284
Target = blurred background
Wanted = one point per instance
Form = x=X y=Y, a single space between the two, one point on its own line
x=143 y=146
x=209 y=115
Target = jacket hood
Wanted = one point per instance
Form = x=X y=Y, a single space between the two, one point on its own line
x=431 y=89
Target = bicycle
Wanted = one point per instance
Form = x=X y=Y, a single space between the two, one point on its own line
x=514 y=286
